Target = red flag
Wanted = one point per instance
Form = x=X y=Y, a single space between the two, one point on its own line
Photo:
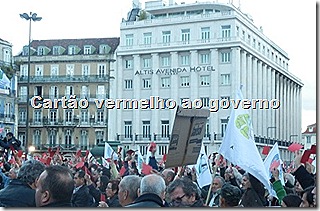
x=310 y=160
x=265 y=150
x=102 y=197
x=79 y=165
x=313 y=149
x=122 y=171
x=12 y=148
x=295 y=147
x=20 y=152
x=305 y=156
x=78 y=153
x=146 y=169
x=48 y=161
x=164 y=157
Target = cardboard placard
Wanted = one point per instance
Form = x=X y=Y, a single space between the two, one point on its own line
x=187 y=134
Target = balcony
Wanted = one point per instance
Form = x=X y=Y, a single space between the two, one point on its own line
x=7 y=118
x=64 y=79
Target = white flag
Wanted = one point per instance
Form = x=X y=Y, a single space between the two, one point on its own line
x=238 y=144
x=203 y=169
x=4 y=80
x=108 y=152
x=139 y=160
x=273 y=159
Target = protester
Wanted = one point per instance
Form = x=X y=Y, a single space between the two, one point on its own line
x=21 y=191
x=229 y=196
x=307 y=197
x=217 y=184
x=10 y=140
x=183 y=192
x=152 y=192
x=81 y=196
x=168 y=176
x=12 y=174
x=112 y=193
x=54 y=187
x=291 y=200
x=128 y=189
x=277 y=186
x=99 y=189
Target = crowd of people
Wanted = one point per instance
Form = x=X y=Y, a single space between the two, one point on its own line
x=80 y=182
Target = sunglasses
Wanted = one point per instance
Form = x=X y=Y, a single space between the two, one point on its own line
x=178 y=200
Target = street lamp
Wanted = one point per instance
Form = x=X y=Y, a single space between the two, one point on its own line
x=30 y=18
x=268 y=134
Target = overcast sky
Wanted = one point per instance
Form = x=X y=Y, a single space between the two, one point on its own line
x=290 y=24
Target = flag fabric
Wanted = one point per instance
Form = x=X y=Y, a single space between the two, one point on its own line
x=203 y=169
x=238 y=145
x=273 y=160
x=4 y=80
x=108 y=151
x=139 y=161
x=146 y=169
x=151 y=146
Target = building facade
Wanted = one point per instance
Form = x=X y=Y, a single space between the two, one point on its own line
x=7 y=90
x=68 y=80
x=309 y=136
x=200 y=52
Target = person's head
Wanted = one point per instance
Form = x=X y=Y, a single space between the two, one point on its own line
x=54 y=184
x=102 y=182
x=307 y=197
x=291 y=200
x=245 y=181
x=13 y=173
x=79 y=178
x=30 y=171
x=128 y=189
x=217 y=183
x=183 y=192
x=112 y=188
x=153 y=183
x=168 y=176
x=229 y=196
x=297 y=187
x=9 y=135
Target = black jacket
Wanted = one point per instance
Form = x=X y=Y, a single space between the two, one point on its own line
x=114 y=201
x=147 y=200
x=304 y=177
x=13 y=141
x=82 y=197
x=59 y=204
x=17 y=194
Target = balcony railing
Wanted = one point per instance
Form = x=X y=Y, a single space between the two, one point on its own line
x=64 y=78
x=90 y=97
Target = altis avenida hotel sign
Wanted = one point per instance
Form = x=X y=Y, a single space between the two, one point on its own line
x=175 y=71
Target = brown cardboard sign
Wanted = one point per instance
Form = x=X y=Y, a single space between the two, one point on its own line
x=187 y=134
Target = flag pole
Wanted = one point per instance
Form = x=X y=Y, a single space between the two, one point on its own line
x=213 y=175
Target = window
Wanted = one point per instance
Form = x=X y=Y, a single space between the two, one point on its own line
x=225 y=32
x=53 y=116
x=165 y=61
x=101 y=70
x=146 y=83
x=104 y=49
x=129 y=40
x=128 y=84
x=205 y=34
x=165 y=82
x=207 y=130
x=147 y=38
x=70 y=70
x=165 y=128
x=23 y=93
x=69 y=91
x=204 y=58
x=68 y=116
x=38 y=90
x=100 y=115
x=101 y=92
x=72 y=50
x=68 y=138
x=40 y=51
x=24 y=71
x=128 y=64
x=225 y=79
x=85 y=70
x=225 y=57
x=185 y=36
x=84 y=138
x=87 y=49
x=223 y=125
x=204 y=80
x=55 y=50
x=99 y=137
x=22 y=116
x=6 y=55
x=166 y=37
x=37 y=138
x=54 y=92
x=52 y=137
x=85 y=93
x=127 y=129
x=84 y=117
x=308 y=139
x=185 y=60
x=8 y=110
x=146 y=129
x=39 y=70
x=54 y=70
x=184 y=81
x=146 y=62
x=163 y=149
x=205 y=101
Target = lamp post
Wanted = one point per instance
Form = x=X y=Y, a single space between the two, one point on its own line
x=30 y=18
x=268 y=134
